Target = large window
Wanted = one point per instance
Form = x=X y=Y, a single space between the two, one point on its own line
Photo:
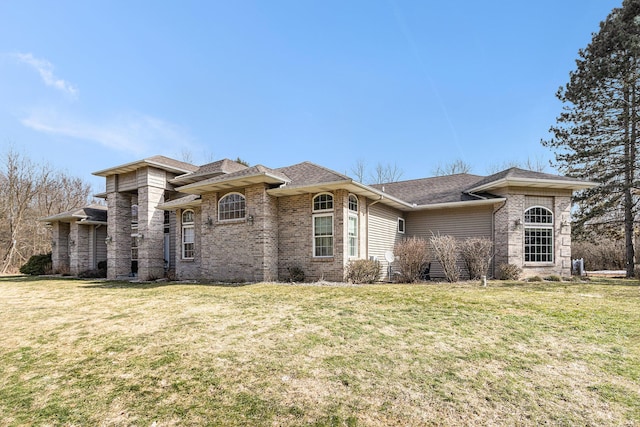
x=353 y=226
x=538 y=235
x=323 y=225
x=188 y=234
x=231 y=206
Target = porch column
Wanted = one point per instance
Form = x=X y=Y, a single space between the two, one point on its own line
x=119 y=240
x=151 y=230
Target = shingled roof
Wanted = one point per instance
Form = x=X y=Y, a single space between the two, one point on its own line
x=426 y=191
x=160 y=162
x=522 y=177
x=209 y=170
x=309 y=174
x=246 y=176
x=92 y=214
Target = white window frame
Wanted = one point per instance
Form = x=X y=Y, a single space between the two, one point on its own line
x=353 y=249
x=188 y=253
x=542 y=230
x=402 y=226
x=237 y=214
x=323 y=209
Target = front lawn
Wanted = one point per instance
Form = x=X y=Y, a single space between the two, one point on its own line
x=78 y=352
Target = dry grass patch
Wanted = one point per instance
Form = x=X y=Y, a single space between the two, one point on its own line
x=104 y=353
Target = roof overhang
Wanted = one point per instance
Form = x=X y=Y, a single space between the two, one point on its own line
x=130 y=167
x=191 y=201
x=68 y=217
x=210 y=185
x=461 y=204
x=349 y=185
x=557 y=184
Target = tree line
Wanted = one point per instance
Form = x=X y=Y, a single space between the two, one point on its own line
x=30 y=191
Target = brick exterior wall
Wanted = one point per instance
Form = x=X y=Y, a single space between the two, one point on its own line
x=295 y=238
x=189 y=269
x=509 y=237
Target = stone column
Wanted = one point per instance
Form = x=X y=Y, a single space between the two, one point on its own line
x=119 y=226
x=151 y=231
x=60 y=248
x=562 y=225
x=509 y=231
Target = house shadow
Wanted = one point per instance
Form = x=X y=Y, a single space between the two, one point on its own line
x=134 y=285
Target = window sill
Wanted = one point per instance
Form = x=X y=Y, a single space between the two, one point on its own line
x=322 y=259
x=539 y=264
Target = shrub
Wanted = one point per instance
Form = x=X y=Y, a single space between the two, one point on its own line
x=100 y=272
x=363 y=271
x=534 y=279
x=296 y=274
x=445 y=251
x=476 y=254
x=412 y=258
x=37 y=264
x=553 y=278
x=604 y=254
x=509 y=272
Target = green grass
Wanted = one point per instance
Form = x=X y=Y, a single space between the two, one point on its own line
x=78 y=352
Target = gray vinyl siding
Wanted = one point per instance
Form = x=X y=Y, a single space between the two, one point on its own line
x=101 y=246
x=460 y=223
x=383 y=233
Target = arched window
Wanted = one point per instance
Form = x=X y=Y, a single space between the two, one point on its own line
x=231 y=206
x=188 y=234
x=353 y=225
x=538 y=235
x=323 y=225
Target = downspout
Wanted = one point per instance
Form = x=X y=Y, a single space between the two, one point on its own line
x=367 y=230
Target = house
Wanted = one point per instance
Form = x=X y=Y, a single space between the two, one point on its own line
x=225 y=221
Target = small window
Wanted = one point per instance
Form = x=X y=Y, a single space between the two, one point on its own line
x=323 y=202
x=353 y=235
x=401 y=225
x=323 y=235
x=353 y=203
x=231 y=206
x=188 y=235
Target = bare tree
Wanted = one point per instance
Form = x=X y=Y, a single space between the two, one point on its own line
x=537 y=165
x=385 y=173
x=30 y=191
x=455 y=167
x=381 y=173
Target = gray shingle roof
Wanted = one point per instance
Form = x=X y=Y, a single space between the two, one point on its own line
x=307 y=173
x=224 y=166
x=92 y=213
x=425 y=191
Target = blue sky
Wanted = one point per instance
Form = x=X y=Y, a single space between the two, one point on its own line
x=86 y=85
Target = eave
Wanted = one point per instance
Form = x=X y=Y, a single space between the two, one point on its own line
x=231 y=183
x=133 y=166
x=461 y=204
x=348 y=185
x=558 y=184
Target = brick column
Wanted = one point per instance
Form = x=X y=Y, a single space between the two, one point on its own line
x=119 y=226
x=78 y=248
x=562 y=225
x=509 y=237
x=60 y=248
x=151 y=228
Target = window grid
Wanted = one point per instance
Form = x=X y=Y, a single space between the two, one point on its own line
x=188 y=235
x=323 y=202
x=353 y=203
x=231 y=206
x=538 y=235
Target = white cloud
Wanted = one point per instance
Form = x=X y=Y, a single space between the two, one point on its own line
x=45 y=69
x=136 y=133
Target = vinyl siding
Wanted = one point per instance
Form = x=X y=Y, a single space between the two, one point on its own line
x=383 y=233
x=460 y=223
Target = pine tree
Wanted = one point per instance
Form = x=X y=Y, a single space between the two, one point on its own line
x=596 y=135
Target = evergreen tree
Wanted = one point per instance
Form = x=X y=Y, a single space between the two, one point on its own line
x=596 y=135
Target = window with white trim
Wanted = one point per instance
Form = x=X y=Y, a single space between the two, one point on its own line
x=353 y=226
x=188 y=234
x=401 y=225
x=538 y=235
x=323 y=225
x=231 y=206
